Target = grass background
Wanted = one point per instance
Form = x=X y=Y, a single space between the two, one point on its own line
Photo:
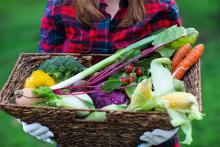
x=19 y=30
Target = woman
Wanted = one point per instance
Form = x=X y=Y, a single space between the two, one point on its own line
x=103 y=26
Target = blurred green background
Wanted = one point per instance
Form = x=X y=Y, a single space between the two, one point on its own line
x=19 y=30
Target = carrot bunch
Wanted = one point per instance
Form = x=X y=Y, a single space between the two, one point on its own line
x=185 y=58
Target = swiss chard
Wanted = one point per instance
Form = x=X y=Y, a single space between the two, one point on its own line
x=176 y=37
x=166 y=51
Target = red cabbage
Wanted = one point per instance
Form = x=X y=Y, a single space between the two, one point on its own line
x=102 y=99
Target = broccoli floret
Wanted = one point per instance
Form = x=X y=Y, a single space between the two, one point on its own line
x=61 y=68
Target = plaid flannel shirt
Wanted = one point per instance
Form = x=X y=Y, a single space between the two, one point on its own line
x=60 y=32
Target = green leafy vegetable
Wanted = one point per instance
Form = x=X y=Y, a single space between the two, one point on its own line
x=166 y=51
x=173 y=38
x=111 y=85
x=81 y=101
x=130 y=90
x=144 y=64
x=191 y=36
x=176 y=37
x=129 y=55
x=46 y=92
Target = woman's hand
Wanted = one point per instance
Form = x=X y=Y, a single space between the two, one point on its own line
x=156 y=137
x=40 y=132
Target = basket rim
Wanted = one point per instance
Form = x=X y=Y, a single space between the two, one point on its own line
x=88 y=110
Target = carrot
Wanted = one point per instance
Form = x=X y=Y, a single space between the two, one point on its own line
x=180 y=54
x=191 y=59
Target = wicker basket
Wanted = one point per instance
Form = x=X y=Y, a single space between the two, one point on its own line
x=121 y=128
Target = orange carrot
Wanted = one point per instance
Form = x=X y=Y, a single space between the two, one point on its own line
x=180 y=54
x=191 y=59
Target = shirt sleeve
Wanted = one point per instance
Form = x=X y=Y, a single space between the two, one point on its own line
x=52 y=31
x=168 y=17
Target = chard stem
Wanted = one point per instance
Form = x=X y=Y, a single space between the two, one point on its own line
x=104 y=63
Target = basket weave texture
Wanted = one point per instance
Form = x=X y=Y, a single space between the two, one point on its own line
x=121 y=128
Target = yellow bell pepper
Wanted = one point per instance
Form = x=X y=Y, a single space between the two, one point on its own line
x=39 y=78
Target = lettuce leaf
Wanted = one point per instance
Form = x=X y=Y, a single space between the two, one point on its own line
x=172 y=38
x=166 y=51
x=176 y=37
x=190 y=37
x=111 y=85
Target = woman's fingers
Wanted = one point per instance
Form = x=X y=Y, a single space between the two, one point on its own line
x=157 y=136
x=148 y=137
x=40 y=131
x=28 y=128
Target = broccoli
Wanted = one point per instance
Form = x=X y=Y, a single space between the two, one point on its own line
x=61 y=68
